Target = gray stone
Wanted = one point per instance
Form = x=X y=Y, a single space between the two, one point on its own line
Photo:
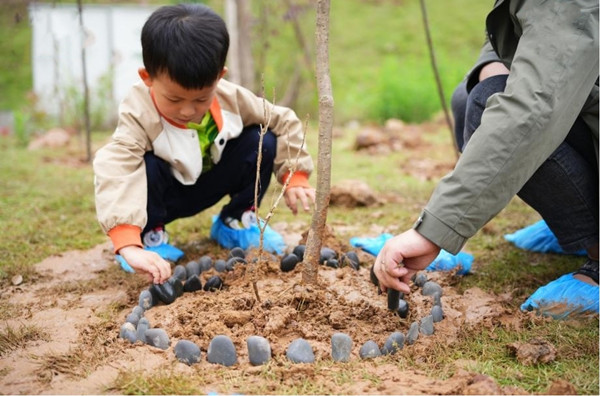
x=213 y=283
x=413 y=333
x=259 y=350
x=180 y=272
x=430 y=288
x=140 y=332
x=299 y=251
x=139 y=311
x=402 y=308
x=127 y=332
x=146 y=301
x=437 y=298
x=133 y=318
x=206 y=263
x=288 y=262
x=437 y=314
x=237 y=252
x=326 y=254
x=220 y=266
x=177 y=286
x=157 y=338
x=192 y=268
x=300 y=351
x=221 y=351
x=420 y=279
x=393 y=344
x=369 y=350
x=341 y=347
x=426 y=327
x=187 y=352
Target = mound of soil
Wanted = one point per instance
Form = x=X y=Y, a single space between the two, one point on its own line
x=80 y=299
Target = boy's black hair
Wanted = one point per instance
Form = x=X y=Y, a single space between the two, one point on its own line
x=187 y=41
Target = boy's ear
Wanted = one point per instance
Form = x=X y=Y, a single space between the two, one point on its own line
x=145 y=76
x=223 y=72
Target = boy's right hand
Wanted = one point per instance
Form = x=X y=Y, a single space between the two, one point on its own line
x=146 y=262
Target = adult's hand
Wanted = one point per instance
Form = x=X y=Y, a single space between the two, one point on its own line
x=401 y=257
x=147 y=263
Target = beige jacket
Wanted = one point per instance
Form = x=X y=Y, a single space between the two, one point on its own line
x=119 y=168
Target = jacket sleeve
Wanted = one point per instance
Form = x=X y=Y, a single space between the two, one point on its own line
x=284 y=123
x=486 y=55
x=551 y=76
x=120 y=180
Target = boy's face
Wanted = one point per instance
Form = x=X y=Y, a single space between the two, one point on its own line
x=178 y=104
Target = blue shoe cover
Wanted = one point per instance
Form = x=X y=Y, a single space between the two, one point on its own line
x=447 y=262
x=124 y=265
x=371 y=245
x=538 y=238
x=245 y=238
x=443 y=262
x=563 y=297
x=166 y=251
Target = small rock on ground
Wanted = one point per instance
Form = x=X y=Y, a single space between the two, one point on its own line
x=187 y=352
x=341 y=347
x=221 y=351
x=300 y=351
x=369 y=350
x=259 y=350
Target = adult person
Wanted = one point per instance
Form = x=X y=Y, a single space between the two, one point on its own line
x=530 y=127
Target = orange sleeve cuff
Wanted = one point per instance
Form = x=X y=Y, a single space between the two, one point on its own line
x=125 y=235
x=299 y=179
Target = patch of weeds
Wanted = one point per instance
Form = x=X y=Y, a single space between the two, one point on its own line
x=72 y=364
x=12 y=339
x=156 y=383
x=5 y=371
x=10 y=310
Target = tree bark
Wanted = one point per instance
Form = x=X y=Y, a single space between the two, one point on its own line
x=319 y=219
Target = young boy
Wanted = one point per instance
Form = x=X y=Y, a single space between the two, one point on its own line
x=186 y=138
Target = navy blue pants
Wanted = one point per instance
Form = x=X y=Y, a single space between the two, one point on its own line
x=234 y=175
x=564 y=189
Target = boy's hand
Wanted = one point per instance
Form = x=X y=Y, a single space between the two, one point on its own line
x=145 y=262
x=295 y=196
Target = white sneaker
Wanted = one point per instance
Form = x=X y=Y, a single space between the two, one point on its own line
x=247 y=220
x=156 y=237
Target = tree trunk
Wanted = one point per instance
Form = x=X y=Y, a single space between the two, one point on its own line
x=239 y=58
x=315 y=234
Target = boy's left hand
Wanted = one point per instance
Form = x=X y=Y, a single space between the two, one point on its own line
x=295 y=196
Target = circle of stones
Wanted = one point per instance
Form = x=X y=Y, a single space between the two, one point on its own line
x=221 y=349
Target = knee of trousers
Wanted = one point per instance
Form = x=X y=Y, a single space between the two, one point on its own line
x=269 y=143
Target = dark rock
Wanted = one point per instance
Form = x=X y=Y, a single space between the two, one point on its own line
x=369 y=350
x=237 y=252
x=437 y=314
x=177 y=286
x=402 y=309
x=413 y=333
x=372 y=276
x=221 y=351
x=146 y=301
x=157 y=338
x=187 y=352
x=300 y=351
x=192 y=284
x=140 y=332
x=165 y=292
x=333 y=263
x=430 y=288
x=288 y=262
x=299 y=251
x=180 y=272
x=351 y=259
x=233 y=261
x=393 y=344
x=127 y=332
x=437 y=298
x=259 y=350
x=192 y=268
x=393 y=298
x=206 y=263
x=213 y=283
x=420 y=279
x=341 y=347
x=326 y=254
x=426 y=327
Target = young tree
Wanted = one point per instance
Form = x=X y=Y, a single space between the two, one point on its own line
x=315 y=234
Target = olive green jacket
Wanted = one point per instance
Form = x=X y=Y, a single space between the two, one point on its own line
x=551 y=50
